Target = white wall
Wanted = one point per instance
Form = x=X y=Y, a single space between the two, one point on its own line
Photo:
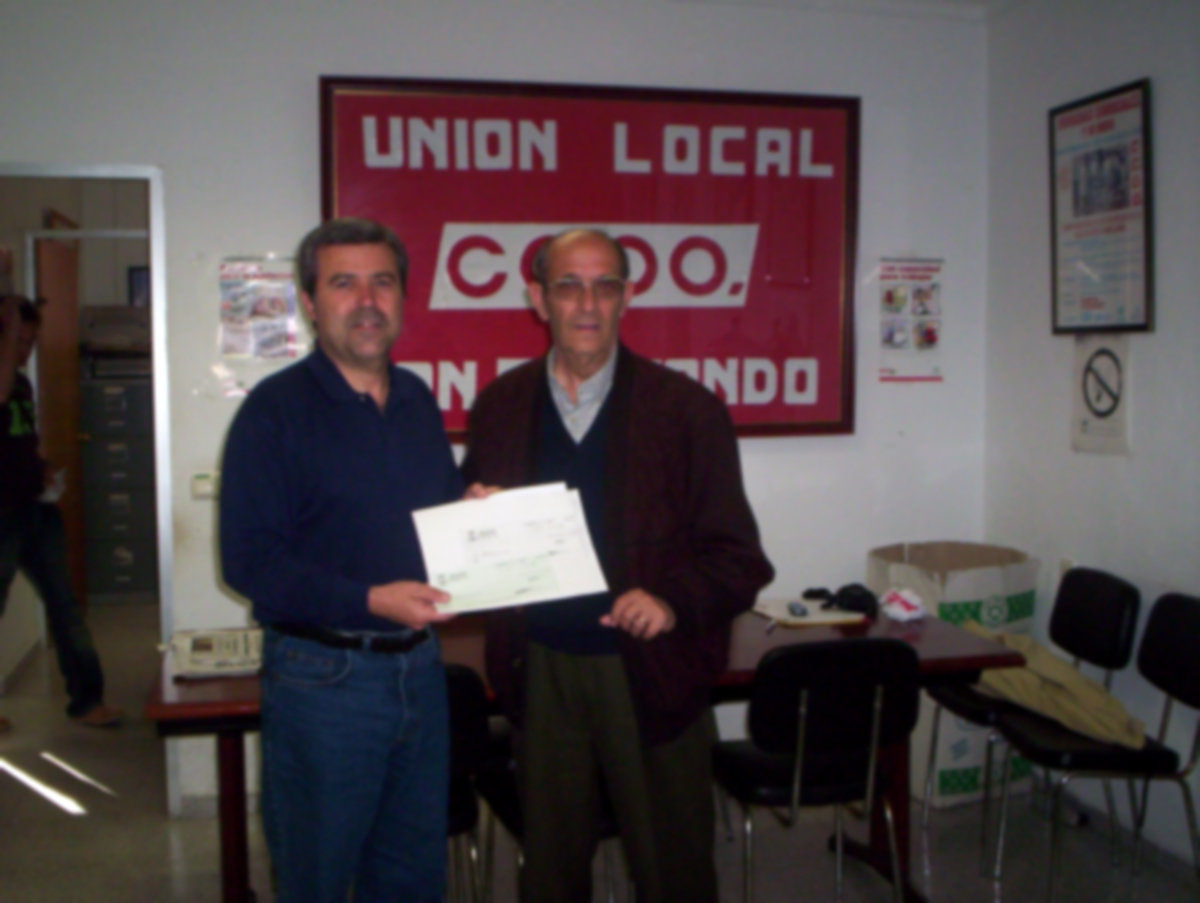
x=223 y=97
x=1137 y=516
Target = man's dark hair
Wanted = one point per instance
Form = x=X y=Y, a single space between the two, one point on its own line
x=541 y=260
x=346 y=231
x=30 y=310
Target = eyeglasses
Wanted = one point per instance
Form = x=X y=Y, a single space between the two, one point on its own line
x=605 y=289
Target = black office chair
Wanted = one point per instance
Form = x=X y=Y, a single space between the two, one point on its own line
x=1094 y=619
x=819 y=713
x=468 y=754
x=1169 y=658
x=496 y=783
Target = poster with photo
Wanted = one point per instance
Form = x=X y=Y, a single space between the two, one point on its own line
x=1101 y=211
x=910 y=320
x=258 y=309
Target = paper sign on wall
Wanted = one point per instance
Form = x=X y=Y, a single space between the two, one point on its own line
x=910 y=324
x=1100 y=384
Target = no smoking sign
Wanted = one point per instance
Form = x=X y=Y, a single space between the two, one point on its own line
x=1098 y=412
x=1102 y=383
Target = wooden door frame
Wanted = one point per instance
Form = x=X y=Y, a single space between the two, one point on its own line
x=153 y=176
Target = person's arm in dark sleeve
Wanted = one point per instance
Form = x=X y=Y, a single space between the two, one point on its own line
x=727 y=566
x=10 y=322
x=258 y=524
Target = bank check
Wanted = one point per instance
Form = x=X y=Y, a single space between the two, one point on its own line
x=516 y=547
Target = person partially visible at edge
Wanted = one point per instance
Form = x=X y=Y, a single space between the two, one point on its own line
x=611 y=691
x=324 y=464
x=32 y=535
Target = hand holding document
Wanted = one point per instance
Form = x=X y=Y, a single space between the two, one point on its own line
x=512 y=548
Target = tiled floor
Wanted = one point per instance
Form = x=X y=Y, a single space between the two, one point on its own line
x=125 y=848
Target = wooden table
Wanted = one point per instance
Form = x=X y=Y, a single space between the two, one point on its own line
x=229 y=708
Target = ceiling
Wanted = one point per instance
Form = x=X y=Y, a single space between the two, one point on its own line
x=956 y=9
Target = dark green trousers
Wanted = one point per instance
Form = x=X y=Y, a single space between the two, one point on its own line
x=580 y=728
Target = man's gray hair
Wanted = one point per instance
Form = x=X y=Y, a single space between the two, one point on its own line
x=541 y=260
x=346 y=231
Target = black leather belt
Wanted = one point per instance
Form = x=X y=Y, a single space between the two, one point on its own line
x=362 y=642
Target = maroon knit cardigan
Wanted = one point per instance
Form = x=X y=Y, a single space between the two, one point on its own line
x=676 y=521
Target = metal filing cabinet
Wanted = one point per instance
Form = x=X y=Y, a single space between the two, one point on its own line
x=119 y=499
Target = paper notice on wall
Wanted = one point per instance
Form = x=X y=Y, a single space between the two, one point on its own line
x=911 y=309
x=1099 y=388
x=258 y=309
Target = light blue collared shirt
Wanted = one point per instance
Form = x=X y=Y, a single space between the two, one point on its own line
x=578 y=417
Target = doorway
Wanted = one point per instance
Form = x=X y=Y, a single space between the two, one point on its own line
x=26 y=181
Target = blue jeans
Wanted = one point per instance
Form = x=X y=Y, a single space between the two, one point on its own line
x=356 y=753
x=33 y=539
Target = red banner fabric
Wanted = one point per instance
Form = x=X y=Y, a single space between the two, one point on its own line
x=738 y=212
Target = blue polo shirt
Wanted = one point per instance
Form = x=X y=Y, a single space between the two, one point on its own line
x=318 y=488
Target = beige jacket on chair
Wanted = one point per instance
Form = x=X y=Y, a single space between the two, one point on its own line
x=1054 y=688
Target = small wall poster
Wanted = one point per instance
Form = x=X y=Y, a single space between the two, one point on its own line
x=1099 y=418
x=258 y=308
x=910 y=320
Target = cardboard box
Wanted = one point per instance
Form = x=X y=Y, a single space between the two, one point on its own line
x=958 y=581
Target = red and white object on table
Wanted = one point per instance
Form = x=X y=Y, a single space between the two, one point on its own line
x=902 y=605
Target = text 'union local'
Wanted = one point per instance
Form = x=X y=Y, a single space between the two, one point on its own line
x=504 y=144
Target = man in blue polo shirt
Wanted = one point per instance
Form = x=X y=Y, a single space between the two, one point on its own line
x=324 y=464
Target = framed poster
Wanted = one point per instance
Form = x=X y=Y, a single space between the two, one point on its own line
x=739 y=213
x=1101 y=212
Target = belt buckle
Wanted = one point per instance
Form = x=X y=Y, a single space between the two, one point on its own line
x=376 y=643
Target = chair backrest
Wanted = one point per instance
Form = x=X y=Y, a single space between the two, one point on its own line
x=841 y=677
x=469 y=736
x=1169 y=656
x=1095 y=617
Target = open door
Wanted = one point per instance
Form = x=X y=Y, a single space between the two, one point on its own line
x=57 y=267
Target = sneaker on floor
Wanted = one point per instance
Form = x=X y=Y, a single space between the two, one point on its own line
x=102 y=716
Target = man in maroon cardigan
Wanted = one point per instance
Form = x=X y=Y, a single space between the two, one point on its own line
x=610 y=692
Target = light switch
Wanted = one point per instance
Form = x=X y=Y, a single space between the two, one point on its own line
x=206 y=485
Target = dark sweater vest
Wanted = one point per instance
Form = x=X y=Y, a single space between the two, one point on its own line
x=573 y=625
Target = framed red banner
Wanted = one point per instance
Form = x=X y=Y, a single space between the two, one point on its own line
x=739 y=213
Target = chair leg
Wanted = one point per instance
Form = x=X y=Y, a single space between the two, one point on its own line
x=455 y=876
x=488 y=869
x=839 y=844
x=747 y=855
x=1113 y=825
x=1137 y=816
x=1048 y=794
x=986 y=821
x=1055 y=834
x=1007 y=780
x=897 y=882
x=477 y=867
x=931 y=768
x=723 y=807
x=609 y=879
x=1189 y=807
